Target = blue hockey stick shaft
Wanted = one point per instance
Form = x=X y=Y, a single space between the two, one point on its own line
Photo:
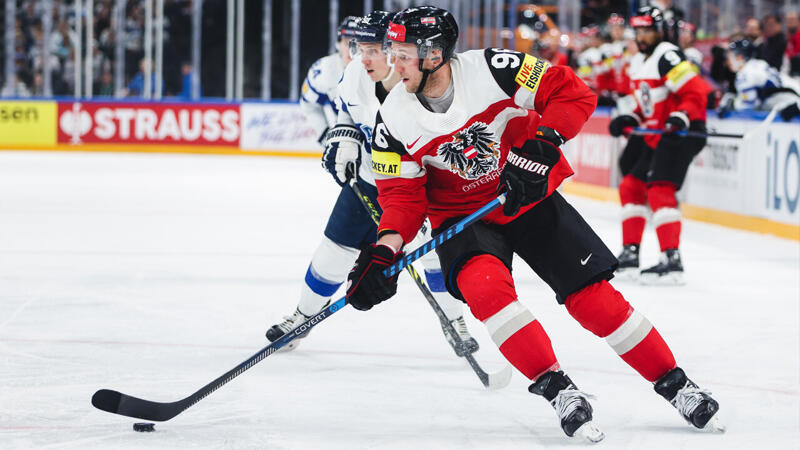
x=444 y=236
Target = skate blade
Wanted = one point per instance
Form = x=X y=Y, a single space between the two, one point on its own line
x=590 y=432
x=292 y=344
x=714 y=425
x=670 y=279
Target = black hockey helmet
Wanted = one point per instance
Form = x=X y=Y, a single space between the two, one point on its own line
x=648 y=16
x=347 y=27
x=429 y=28
x=744 y=47
x=372 y=27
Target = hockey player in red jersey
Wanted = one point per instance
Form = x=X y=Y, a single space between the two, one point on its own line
x=462 y=127
x=671 y=95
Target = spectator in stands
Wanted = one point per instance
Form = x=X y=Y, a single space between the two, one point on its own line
x=136 y=86
x=793 y=42
x=774 y=45
x=186 y=72
x=752 y=31
x=105 y=86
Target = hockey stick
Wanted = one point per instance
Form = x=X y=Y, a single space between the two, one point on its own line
x=763 y=124
x=126 y=405
x=444 y=236
x=645 y=131
x=490 y=380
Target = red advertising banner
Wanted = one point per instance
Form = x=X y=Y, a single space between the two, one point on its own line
x=592 y=152
x=149 y=123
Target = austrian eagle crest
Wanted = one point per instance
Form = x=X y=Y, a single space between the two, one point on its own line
x=472 y=152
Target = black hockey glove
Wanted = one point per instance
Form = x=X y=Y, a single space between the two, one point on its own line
x=341 y=151
x=618 y=124
x=524 y=177
x=366 y=284
x=677 y=121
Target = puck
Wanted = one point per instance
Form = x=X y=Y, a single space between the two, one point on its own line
x=144 y=426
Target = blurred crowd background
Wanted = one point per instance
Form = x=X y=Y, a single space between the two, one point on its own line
x=591 y=36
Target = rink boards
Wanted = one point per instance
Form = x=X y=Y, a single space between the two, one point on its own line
x=751 y=183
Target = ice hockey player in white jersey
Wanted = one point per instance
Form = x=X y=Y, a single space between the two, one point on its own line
x=462 y=127
x=365 y=84
x=319 y=87
x=759 y=86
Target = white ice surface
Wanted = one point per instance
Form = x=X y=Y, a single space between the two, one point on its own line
x=154 y=274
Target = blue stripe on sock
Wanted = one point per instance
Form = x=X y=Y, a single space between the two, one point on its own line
x=435 y=281
x=319 y=286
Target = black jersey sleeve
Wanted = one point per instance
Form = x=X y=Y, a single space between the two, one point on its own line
x=670 y=60
x=504 y=65
x=512 y=70
x=387 y=151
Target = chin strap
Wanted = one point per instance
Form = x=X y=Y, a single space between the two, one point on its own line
x=425 y=74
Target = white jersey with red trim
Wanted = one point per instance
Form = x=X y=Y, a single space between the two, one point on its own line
x=666 y=82
x=590 y=64
x=448 y=164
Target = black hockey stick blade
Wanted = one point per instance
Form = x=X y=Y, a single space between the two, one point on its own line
x=126 y=405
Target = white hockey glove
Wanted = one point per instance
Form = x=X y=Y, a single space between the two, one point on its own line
x=342 y=149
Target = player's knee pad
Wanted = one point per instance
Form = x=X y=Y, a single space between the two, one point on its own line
x=329 y=267
x=599 y=308
x=487 y=286
x=632 y=190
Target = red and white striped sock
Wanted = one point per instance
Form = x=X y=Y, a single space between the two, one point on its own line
x=488 y=288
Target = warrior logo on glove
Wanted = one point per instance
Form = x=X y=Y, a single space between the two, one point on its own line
x=472 y=153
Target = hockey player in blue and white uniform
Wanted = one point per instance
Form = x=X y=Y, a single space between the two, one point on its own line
x=319 y=87
x=365 y=84
x=758 y=85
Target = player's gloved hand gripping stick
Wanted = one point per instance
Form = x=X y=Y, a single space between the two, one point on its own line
x=126 y=405
x=490 y=380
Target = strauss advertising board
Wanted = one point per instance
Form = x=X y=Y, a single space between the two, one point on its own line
x=148 y=123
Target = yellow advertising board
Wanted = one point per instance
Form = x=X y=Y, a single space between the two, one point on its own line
x=27 y=124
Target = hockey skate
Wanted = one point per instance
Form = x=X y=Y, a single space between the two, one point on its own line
x=628 y=268
x=288 y=324
x=668 y=271
x=467 y=343
x=693 y=403
x=571 y=405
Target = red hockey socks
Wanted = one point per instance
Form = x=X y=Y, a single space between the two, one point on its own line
x=602 y=310
x=666 y=215
x=488 y=288
x=633 y=196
